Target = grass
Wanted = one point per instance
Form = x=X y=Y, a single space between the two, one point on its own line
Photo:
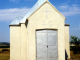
x=74 y=56
x=4 y=55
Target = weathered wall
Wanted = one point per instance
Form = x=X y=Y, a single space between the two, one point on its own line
x=67 y=47
x=15 y=43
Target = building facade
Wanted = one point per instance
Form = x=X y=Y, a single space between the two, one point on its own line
x=40 y=35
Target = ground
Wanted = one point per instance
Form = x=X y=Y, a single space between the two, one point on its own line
x=74 y=56
x=4 y=55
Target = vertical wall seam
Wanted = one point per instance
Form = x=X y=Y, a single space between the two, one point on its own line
x=20 y=42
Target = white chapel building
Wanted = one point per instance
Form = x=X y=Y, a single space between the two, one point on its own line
x=40 y=35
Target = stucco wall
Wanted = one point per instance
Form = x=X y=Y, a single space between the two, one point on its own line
x=38 y=21
x=23 y=42
x=15 y=43
x=67 y=46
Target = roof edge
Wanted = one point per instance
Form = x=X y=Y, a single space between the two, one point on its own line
x=67 y=25
x=17 y=24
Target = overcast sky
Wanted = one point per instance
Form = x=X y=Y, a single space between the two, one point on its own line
x=10 y=9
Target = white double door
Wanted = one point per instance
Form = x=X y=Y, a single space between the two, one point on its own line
x=47 y=48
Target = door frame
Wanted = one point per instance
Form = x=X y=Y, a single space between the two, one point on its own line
x=36 y=38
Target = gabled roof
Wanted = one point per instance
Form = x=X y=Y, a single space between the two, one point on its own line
x=39 y=3
x=19 y=20
x=16 y=21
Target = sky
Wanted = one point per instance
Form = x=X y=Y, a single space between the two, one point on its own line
x=10 y=9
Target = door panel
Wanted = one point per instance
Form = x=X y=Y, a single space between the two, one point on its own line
x=41 y=53
x=52 y=39
x=47 y=45
x=41 y=38
x=41 y=45
x=52 y=52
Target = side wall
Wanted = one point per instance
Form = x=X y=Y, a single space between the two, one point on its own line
x=18 y=42
x=67 y=47
x=15 y=50
x=23 y=42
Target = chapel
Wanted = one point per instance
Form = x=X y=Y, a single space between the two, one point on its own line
x=41 y=34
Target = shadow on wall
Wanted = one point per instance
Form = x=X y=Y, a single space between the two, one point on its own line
x=26 y=23
x=66 y=56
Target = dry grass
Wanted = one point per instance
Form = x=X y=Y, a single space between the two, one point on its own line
x=5 y=55
x=74 y=56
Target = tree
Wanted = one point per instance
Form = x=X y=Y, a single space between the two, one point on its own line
x=75 y=40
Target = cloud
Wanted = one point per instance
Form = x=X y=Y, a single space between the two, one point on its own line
x=67 y=10
x=11 y=14
x=75 y=29
x=64 y=7
x=14 y=0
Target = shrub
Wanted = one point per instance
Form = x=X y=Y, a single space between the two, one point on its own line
x=4 y=46
x=75 y=49
x=5 y=50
